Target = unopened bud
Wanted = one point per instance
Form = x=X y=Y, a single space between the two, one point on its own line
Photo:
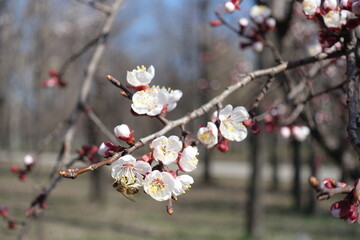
x=122 y=131
x=229 y=7
x=215 y=23
x=11 y=224
x=258 y=46
x=29 y=160
x=103 y=149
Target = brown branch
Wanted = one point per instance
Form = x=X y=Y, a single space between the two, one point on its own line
x=85 y=90
x=77 y=54
x=352 y=95
x=73 y=173
x=97 y=5
x=94 y=118
x=263 y=92
x=326 y=193
x=118 y=84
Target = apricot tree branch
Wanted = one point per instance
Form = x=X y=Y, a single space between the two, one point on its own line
x=88 y=79
x=73 y=173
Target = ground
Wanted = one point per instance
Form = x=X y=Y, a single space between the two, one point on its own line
x=215 y=211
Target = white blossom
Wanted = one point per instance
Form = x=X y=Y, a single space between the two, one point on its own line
x=300 y=132
x=335 y=19
x=127 y=166
x=310 y=6
x=166 y=149
x=285 y=132
x=188 y=160
x=231 y=126
x=259 y=13
x=28 y=159
x=208 y=135
x=140 y=76
x=229 y=7
x=153 y=100
x=182 y=184
x=330 y=4
x=159 y=185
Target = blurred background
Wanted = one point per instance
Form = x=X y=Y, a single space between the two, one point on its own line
x=257 y=190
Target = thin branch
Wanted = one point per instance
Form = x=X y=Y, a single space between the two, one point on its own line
x=97 y=5
x=73 y=173
x=326 y=193
x=94 y=118
x=84 y=91
x=77 y=54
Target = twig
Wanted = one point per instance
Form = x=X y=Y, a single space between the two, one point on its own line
x=73 y=173
x=97 y=5
x=84 y=91
x=118 y=84
x=94 y=118
x=326 y=193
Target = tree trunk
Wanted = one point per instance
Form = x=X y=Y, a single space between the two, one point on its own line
x=254 y=206
x=296 y=190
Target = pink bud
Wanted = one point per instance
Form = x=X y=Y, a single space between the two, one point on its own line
x=255 y=129
x=14 y=169
x=223 y=145
x=4 y=211
x=215 y=23
x=247 y=122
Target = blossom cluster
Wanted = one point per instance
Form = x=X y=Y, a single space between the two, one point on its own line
x=297 y=132
x=228 y=125
x=153 y=100
x=348 y=208
x=169 y=156
x=254 y=30
x=335 y=16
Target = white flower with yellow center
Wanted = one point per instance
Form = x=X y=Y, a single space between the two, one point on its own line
x=147 y=102
x=182 y=184
x=140 y=76
x=336 y=18
x=131 y=169
x=208 y=135
x=310 y=6
x=259 y=13
x=166 y=149
x=231 y=126
x=169 y=98
x=159 y=185
x=188 y=161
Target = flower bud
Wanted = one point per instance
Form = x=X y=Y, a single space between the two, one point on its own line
x=11 y=224
x=215 y=23
x=103 y=149
x=258 y=46
x=223 y=145
x=4 y=211
x=29 y=160
x=285 y=132
x=229 y=7
x=14 y=169
x=122 y=131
